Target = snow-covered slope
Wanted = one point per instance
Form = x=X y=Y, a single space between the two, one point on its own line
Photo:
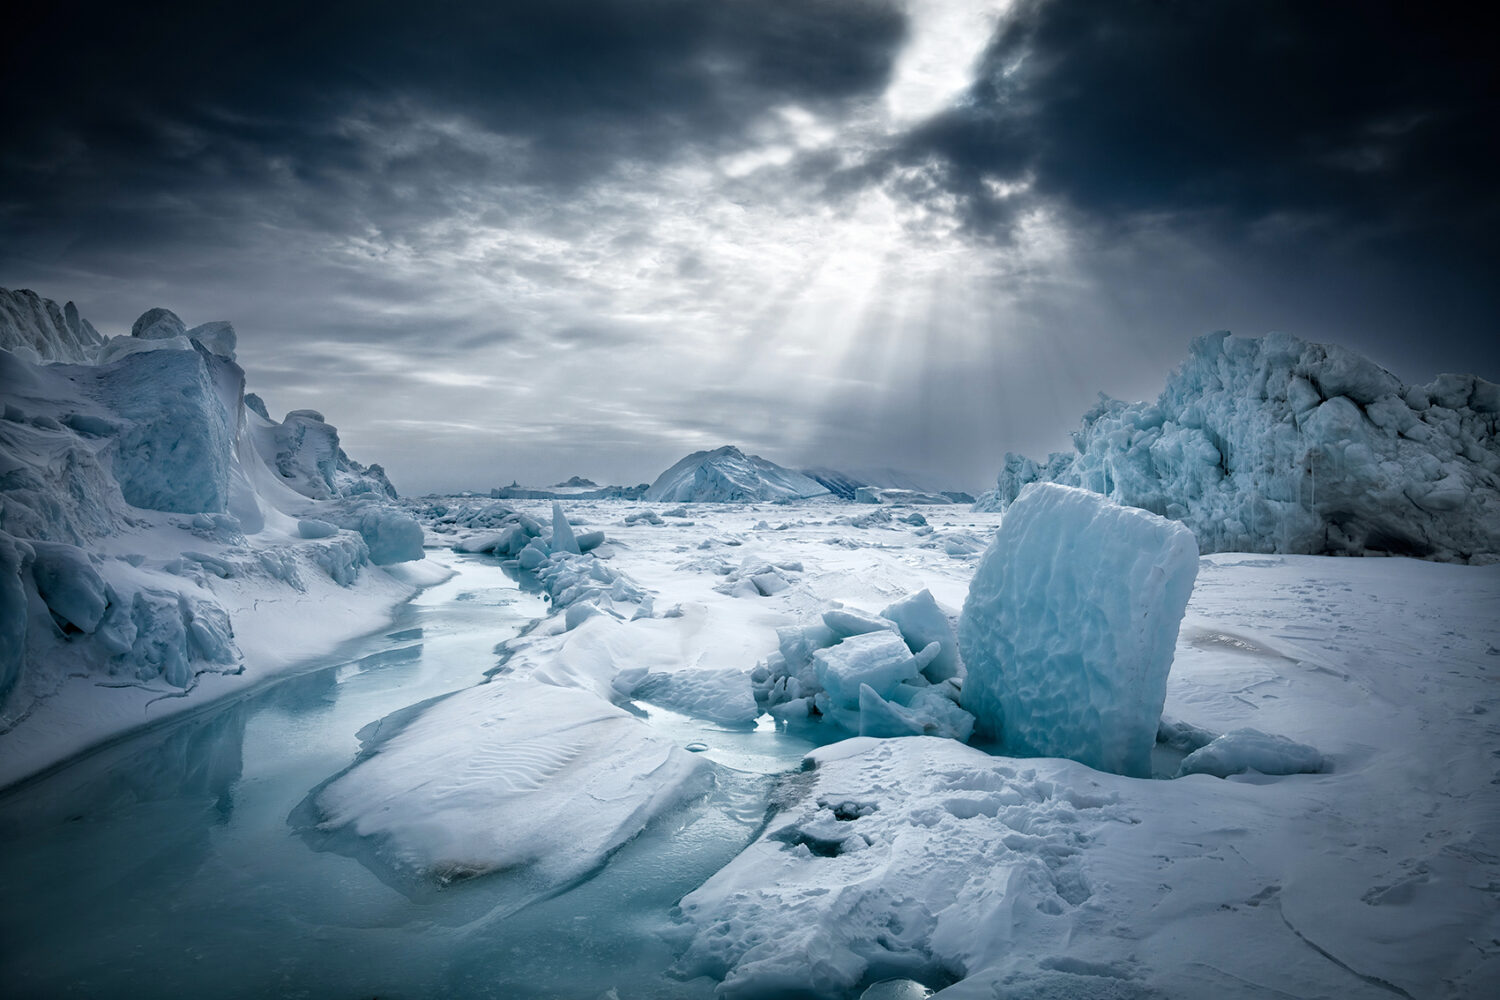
x=1277 y=445
x=146 y=511
x=727 y=475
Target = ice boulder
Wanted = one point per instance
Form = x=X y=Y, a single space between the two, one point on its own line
x=158 y=324
x=1070 y=625
x=217 y=337
x=307 y=449
x=1244 y=750
x=69 y=584
x=392 y=535
x=14 y=556
x=313 y=527
x=727 y=475
x=922 y=622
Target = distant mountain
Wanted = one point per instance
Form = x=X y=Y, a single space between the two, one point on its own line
x=883 y=486
x=728 y=475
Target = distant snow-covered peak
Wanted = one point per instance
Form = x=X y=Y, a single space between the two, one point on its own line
x=728 y=475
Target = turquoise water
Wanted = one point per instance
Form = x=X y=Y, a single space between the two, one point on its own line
x=165 y=865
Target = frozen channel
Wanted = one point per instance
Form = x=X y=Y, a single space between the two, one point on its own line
x=165 y=865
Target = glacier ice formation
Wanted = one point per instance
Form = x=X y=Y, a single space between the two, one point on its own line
x=1274 y=444
x=135 y=474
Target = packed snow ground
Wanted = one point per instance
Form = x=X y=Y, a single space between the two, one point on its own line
x=989 y=875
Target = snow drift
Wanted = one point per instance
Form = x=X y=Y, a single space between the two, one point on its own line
x=1277 y=445
x=727 y=475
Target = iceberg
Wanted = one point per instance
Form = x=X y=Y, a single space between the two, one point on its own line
x=1070 y=625
x=727 y=475
x=1274 y=444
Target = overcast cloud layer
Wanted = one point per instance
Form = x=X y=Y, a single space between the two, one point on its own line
x=528 y=240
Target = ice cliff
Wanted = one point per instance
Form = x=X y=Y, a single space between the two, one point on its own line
x=143 y=494
x=727 y=475
x=1273 y=444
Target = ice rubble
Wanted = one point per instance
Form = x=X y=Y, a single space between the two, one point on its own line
x=139 y=492
x=727 y=475
x=1277 y=445
x=892 y=674
x=1070 y=625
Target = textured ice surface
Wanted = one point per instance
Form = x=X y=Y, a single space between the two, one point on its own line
x=510 y=776
x=727 y=475
x=921 y=621
x=1251 y=750
x=1069 y=627
x=915 y=857
x=1278 y=445
x=862 y=672
x=176 y=445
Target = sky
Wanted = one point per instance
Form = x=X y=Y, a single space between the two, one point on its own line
x=507 y=241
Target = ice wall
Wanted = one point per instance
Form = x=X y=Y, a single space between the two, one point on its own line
x=1273 y=444
x=1070 y=625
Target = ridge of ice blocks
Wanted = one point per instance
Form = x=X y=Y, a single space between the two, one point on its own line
x=907 y=858
x=727 y=475
x=894 y=674
x=1274 y=444
x=1070 y=625
x=526 y=777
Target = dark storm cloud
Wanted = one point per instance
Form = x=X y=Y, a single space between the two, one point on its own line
x=121 y=117
x=1376 y=114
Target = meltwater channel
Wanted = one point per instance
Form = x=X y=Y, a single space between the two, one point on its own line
x=168 y=864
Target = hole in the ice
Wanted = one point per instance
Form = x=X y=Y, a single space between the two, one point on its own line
x=848 y=810
x=697 y=746
x=794 y=836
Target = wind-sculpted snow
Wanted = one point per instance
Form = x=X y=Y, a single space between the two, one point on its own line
x=727 y=475
x=539 y=781
x=1070 y=624
x=1277 y=445
x=140 y=500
